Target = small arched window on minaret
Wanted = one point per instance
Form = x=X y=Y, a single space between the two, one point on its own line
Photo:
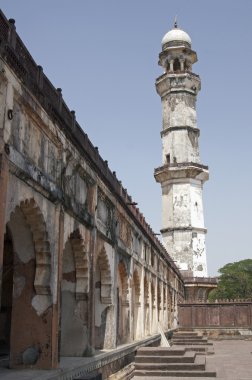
x=176 y=65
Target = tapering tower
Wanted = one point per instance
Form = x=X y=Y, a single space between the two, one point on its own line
x=182 y=174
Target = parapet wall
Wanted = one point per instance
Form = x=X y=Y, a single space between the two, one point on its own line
x=219 y=314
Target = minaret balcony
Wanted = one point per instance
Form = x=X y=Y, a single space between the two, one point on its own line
x=180 y=81
x=180 y=171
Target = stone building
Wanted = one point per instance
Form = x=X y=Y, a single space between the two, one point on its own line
x=80 y=267
x=182 y=175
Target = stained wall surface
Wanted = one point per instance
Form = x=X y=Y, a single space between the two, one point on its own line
x=80 y=266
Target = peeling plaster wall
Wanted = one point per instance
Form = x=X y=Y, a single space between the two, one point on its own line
x=30 y=325
x=66 y=211
x=182 y=145
x=182 y=174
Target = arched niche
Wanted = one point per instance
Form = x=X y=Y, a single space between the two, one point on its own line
x=104 y=316
x=103 y=272
x=31 y=293
x=74 y=288
x=81 y=264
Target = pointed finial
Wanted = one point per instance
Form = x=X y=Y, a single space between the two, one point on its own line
x=175 y=22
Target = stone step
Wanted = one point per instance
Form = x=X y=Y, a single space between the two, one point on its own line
x=181 y=336
x=158 y=375
x=183 y=333
x=203 y=349
x=160 y=351
x=191 y=343
x=188 y=357
x=198 y=365
x=189 y=338
x=179 y=377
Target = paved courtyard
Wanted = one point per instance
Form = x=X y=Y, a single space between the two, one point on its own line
x=232 y=360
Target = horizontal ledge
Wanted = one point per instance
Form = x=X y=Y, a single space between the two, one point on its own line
x=180 y=128
x=181 y=229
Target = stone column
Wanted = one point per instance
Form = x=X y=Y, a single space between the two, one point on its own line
x=91 y=292
x=182 y=64
x=4 y=174
x=131 y=302
x=171 y=65
x=142 y=306
x=156 y=309
x=57 y=306
x=6 y=103
x=162 y=305
x=150 y=307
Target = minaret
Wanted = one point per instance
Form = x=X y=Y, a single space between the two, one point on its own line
x=182 y=174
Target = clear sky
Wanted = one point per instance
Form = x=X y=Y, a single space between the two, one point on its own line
x=104 y=55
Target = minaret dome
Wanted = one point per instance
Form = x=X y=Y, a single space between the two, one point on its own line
x=176 y=37
x=177 y=54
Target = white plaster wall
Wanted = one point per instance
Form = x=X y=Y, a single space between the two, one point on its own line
x=182 y=114
x=188 y=249
x=181 y=204
x=197 y=216
x=179 y=110
x=182 y=145
x=179 y=247
x=183 y=208
x=199 y=255
x=167 y=206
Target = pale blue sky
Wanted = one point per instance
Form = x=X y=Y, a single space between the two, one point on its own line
x=104 y=54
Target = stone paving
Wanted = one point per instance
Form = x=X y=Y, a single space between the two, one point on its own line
x=232 y=360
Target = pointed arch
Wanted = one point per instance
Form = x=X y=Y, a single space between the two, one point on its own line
x=74 y=286
x=106 y=281
x=81 y=264
x=36 y=222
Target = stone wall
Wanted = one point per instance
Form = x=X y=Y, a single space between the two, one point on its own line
x=230 y=314
x=80 y=267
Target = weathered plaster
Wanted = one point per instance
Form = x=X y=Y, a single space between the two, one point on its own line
x=182 y=175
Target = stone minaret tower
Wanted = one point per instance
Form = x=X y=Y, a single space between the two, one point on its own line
x=182 y=174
